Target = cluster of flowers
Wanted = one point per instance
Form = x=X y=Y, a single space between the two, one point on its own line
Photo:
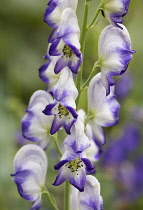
x=55 y=108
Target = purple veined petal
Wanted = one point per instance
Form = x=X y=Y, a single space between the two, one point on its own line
x=65 y=86
x=30 y=166
x=89 y=167
x=56 y=47
x=40 y=97
x=77 y=139
x=69 y=49
x=35 y=125
x=114 y=50
x=114 y=10
x=74 y=171
x=61 y=64
x=63 y=116
x=31 y=153
x=27 y=184
x=105 y=110
x=90 y=198
x=68 y=23
x=54 y=10
x=52 y=14
x=73 y=167
x=42 y=70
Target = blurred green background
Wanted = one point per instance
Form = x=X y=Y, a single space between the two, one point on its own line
x=23 y=43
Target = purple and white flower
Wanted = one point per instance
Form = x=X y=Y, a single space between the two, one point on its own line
x=114 y=10
x=114 y=51
x=89 y=199
x=30 y=166
x=54 y=10
x=104 y=109
x=65 y=42
x=73 y=167
x=63 y=107
x=35 y=125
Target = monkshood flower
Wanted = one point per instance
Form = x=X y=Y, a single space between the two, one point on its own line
x=114 y=51
x=94 y=151
x=30 y=166
x=73 y=167
x=77 y=140
x=54 y=10
x=63 y=107
x=89 y=199
x=65 y=42
x=35 y=125
x=103 y=109
x=114 y=10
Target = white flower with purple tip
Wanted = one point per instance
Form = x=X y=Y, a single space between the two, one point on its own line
x=90 y=199
x=63 y=107
x=114 y=10
x=65 y=43
x=114 y=52
x=30 y=166
x=73 y=167
x=104 y=109
x=35 y=125
x=54 y=10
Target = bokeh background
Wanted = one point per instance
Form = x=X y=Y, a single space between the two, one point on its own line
x=23 y=43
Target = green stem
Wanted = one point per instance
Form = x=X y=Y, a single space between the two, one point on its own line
x=45 y=191
x=100 y=7
x=95 y=67
x=67 y=196
x=82 y=42
x=57 y=145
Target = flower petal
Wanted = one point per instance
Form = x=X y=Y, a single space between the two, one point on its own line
x=114 y=50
